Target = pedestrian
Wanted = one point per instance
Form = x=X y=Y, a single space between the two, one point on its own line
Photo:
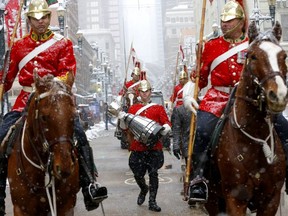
x=55 y=57
x=142 y=158
x=222 y=66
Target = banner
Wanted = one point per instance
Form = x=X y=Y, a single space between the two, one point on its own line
x=50 y=2
x=11 y=14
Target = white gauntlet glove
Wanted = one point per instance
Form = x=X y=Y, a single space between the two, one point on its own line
x=121 y=117
x=166 y=130
x=188 y=93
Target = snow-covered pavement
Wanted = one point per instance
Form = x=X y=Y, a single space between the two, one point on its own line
x=98 y=130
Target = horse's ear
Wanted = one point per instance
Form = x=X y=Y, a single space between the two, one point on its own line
x=36 y=77
x=252 y=31
x=70 y=79
x=277 y=31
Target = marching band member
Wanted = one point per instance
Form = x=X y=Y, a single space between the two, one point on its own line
x=142 y=158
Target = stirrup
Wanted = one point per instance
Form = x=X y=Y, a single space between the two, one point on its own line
x=101 y=192
x=201 y=181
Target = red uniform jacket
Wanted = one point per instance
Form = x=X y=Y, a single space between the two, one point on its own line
x=127 y=85
x=156 y=113
x=178 y=97
x=57 y=60
x=226 y=74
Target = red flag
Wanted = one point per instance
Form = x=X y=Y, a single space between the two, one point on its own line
x=12 y=10
x=50 y=2
x=133 y=54
x=181 y=52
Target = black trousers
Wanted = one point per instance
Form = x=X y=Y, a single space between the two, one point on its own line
x=151 y=161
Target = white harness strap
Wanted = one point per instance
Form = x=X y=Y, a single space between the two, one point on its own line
x=228 y=54
x=144 y=108
x=130 y=87
x=38 y=50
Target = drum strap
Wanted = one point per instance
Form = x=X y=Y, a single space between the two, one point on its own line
x=144 y=108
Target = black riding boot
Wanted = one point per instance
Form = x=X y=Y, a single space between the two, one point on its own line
x=144 y=189
x=153 y=188
x=93 y=194
x=198 y=187
x=3 y=177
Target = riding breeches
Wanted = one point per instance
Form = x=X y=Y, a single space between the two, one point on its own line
x=206 y=123
x=8 y=120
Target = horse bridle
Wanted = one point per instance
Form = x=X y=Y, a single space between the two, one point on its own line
x=47 y=145
x=267 y=150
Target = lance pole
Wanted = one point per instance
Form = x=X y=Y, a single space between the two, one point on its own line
x=193 y=116
x=174 y=79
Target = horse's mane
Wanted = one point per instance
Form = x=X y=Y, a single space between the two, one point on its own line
x=49 y=82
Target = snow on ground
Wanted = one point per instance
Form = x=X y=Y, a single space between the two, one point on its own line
x=98 y=130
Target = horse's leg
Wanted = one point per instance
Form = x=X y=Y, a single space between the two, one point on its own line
x=269 y=206
x=235 y=207
x=18 y=211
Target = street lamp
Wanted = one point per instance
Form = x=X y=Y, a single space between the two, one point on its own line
x=79 y=35
x=257 y=16
x=272 y=9
x=61 y=18
x=105 y=65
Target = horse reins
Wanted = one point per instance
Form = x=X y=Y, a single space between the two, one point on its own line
x=49 y=181
x=268 y=150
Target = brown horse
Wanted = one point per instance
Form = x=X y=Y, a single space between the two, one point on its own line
x=250 y=156
x=43 y=169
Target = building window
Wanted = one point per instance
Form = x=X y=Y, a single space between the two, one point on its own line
x=173 y=31
x=94 y=4
x=173 y=20
x=284 y=23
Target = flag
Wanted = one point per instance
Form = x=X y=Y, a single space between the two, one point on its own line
x=181 y=52
x=50 y=2
x=133 y=55
x=12 y=10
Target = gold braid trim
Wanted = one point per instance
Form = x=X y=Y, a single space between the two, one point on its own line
x=63 y=78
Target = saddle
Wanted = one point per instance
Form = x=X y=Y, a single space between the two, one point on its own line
x=220 y=124
x=11 y=136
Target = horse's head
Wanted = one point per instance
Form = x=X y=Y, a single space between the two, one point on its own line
x=266 y=63
x=50 y=123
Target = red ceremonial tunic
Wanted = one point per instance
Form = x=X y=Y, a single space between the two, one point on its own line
x=177 y=97
x=226 y=74
x=156 y=113
x=57 y=60
x=127 y=85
